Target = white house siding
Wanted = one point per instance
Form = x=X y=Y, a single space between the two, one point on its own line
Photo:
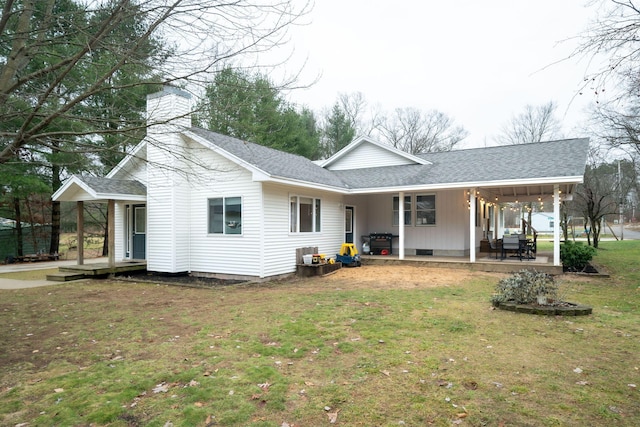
x=135 y=169
x=542 y=222
x=367 y=155
x=450 y=235
x=279 y=252
x=119 y=232
x=237 y=255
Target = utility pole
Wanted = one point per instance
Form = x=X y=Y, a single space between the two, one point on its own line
x=621 y=204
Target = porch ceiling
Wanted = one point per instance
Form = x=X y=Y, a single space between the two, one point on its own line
x=526 y=193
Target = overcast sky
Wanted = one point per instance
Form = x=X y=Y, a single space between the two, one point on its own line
x=480 y=62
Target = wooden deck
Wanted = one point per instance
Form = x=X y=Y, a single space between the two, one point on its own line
x=95 y=270
x=484 y=262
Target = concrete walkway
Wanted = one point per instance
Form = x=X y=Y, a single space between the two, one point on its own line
x=6 y=284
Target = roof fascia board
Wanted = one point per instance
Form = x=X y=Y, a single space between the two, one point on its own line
x=306 y=184
x=123 y=197
x=361 y=140
x=74 y=180
x=133 y=154
x=224 y=153
x=474 y=184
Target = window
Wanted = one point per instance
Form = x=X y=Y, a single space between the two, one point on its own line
x=407 y=210
x=551 y=225
x=426 y=210
x=304 y=214
x=225 y=215
x=140 y=220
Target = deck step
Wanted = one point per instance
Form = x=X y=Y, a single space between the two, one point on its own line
x=64 y=276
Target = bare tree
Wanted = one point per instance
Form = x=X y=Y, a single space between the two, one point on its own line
x=43 y=95
x=534 y=124
x=613 y=36
x=415 y=131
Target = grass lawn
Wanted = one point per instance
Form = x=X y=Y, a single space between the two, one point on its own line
x=305 y=352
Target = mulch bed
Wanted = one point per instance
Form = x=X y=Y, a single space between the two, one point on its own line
x=559 y=309
x=181 y=280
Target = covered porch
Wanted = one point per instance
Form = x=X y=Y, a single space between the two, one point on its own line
x=447 y=225
x=102 y=190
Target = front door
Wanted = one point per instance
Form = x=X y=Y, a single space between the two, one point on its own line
x=348 y=224
x=139 y=236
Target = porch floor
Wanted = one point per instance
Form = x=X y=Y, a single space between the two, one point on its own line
x=484 y=262
x=102 y=268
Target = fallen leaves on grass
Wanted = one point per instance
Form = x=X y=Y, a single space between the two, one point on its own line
x=161 y=388
x=265 y=386
x=333 y=416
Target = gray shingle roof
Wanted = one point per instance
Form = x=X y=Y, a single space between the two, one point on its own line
x=276 y=163
x=114 y=186
x=563 y=158
x=527 y=161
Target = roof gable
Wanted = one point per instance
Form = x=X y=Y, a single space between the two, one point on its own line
x=365 y=152
x=91 y=188
x=266 y=162
x=543 y=162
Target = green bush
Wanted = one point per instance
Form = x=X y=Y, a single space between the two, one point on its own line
x=525 y=286
x=575 y=256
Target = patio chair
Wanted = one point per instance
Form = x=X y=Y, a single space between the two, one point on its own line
x=493 y=247
x=532 y=246
x=511 y=243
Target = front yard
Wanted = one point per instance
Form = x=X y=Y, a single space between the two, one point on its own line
x=370 y=346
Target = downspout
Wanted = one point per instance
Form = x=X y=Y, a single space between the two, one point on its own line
x=401 y=225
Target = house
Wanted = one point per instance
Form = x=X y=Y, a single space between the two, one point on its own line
x=543 y=222
x=190 y=200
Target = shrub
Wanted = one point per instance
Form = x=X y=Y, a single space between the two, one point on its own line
x=575 y=256
x=525 y=286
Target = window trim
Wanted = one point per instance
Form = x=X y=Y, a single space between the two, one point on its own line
x=434 y=210
x=409 y=211
x=316 y=217
x=224 y=214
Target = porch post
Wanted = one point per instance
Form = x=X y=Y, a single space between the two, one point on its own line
x=80 y=232
x=401 y=225
x=556 y=224
x=472 y=225
x=496 y=219
x=111 y=231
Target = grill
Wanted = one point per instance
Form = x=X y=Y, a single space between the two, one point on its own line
x=379 y=242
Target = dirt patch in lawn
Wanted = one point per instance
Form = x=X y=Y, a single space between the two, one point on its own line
x=401 y=277
x=369 y=277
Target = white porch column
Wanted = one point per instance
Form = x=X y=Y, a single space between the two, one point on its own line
x=556 y=225
x=401 y=225
x=80 y=233
x=111 y=232
x=496 y=218
x=472 y=225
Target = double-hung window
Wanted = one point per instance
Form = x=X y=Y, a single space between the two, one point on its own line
x=426 y=209
x=225 y=215
x=396 y=210
x=304 y=214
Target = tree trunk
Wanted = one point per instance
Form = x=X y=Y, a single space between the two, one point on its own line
x=54 y=245
x=105 y=244
x=32 y=228
x=19 y=238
